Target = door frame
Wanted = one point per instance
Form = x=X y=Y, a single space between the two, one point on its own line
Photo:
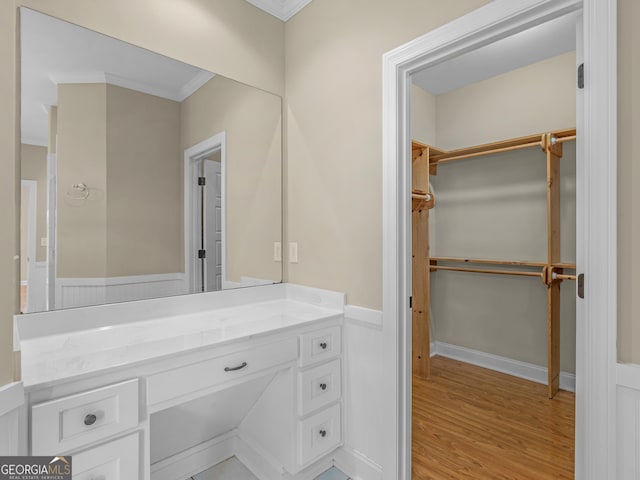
x=192 y=156
x=32 y=225
x=596 y=314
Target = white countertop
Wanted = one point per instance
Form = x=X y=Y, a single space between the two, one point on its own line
x=71 y=354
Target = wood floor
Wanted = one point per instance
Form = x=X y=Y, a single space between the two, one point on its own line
x=473 y=423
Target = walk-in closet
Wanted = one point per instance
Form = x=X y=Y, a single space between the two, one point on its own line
x=494 y=282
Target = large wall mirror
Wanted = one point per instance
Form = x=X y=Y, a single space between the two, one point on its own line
x=142 y=176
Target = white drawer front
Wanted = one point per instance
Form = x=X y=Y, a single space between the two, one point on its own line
x=200 y=376
x=319 y=434
x=318 y=386
x=61 y=425
x=319 y=346
x=117 y=460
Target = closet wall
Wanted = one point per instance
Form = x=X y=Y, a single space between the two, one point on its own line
x=495 y=207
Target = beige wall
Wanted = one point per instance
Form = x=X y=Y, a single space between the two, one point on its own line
x=228 y=37
x=334 y=54
x=628 y=181
x=536 y=98
x=144 y=208
x=423 y=116
x=33 y=166
x=9 y=189
x=81 y=242
x=252 y=121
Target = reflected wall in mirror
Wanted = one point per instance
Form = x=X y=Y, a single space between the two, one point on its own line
x=142 y=176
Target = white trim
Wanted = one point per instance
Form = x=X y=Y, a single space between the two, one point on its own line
x=177 y=95
x=356 y=465
x=195 y=459
x=194 y=84
x=365 y=317
x=596 y=330
x=52 y=234
x=516 y=368
x=11 y=397
x=32 y=187
x=628 y=422
x=628 y=375
x=191 y=156
x=282 y=9
x=82 y=292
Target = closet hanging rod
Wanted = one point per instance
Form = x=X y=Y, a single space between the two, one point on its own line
x=555 y=140
x=562 y=276
x=489 y=152
x=434 y=268
x=530 y=141
x=484 y=261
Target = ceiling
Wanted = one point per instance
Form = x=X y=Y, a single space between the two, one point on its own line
x=544 y=41
x=54 y=51
x=282 y=9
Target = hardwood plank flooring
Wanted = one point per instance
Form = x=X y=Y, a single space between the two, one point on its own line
x=474 y=423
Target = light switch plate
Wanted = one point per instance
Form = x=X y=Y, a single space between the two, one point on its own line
x=44 y=242
x=293 y=252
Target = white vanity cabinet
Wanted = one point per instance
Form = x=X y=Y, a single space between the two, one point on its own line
x=265 y=389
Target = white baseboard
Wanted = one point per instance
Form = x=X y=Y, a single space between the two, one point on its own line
x=196 y=459
x=365 y=317
x=528 y=371
x=356 y=465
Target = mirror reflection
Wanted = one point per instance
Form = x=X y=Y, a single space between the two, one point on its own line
x=141 y=176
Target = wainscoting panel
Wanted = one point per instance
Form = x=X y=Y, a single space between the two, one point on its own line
x=83 y=292
x=628 y=422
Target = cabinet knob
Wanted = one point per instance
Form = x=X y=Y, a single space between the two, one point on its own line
x=323 y=386
x=90 y=419
x=323 y=345
x=323 y=433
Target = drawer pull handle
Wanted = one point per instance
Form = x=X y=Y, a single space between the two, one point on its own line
x=323 y=345
x=233 y=369
x=90 y=419
x=323 y=433
x=323 y=386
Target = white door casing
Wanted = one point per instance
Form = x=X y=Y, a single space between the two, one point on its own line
x=31 y=186
x=192 y=162
x=596 y=218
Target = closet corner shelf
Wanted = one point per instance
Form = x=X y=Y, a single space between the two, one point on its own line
x=437 y=156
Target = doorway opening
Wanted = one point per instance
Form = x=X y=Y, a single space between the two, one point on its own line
x=595 y=440
x=205 y=219
x=494 y=256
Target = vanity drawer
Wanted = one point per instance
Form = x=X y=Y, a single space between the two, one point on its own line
x=319 y=434
x=117 y=460
x=318 y=386
x=319 y=346
x=200 y=376
x=61 y=425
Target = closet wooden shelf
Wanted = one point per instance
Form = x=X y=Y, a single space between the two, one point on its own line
x=438 y=156
x=424 y=161
x=484 y=261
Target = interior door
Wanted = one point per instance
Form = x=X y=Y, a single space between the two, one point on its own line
x=213 y=222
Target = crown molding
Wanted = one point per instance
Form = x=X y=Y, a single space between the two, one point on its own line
x=111 y=79
x=282 y=9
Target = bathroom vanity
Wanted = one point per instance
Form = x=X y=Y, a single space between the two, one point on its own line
x=163 y=389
